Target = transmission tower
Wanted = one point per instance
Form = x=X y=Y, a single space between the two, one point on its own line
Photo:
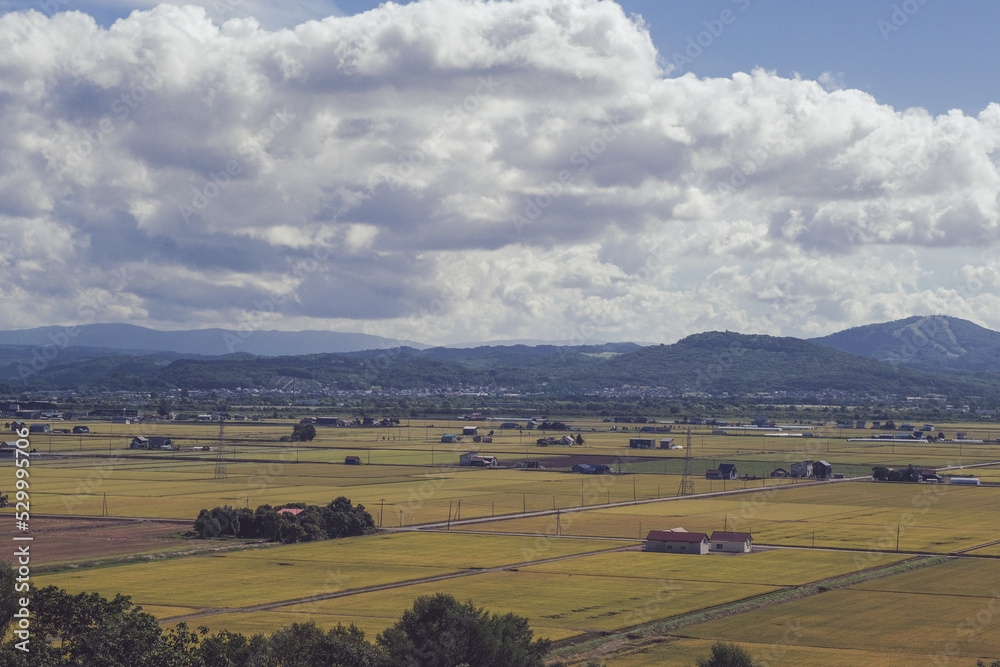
x=687 y=480
x=220 y=461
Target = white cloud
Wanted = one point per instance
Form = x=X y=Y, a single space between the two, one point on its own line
x=449 y=170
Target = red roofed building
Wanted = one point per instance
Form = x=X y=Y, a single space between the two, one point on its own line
x=290 y=510
x=739 y=543
x=676 y=542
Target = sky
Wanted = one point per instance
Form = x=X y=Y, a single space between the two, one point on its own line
x=450 y=171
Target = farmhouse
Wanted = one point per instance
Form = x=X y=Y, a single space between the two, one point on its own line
x=139 y=442
x=642 y=443
x=466 y=458
x=352 y=460
x=7 y=448
x=567 y=441
x=739 y=543
x=17 y=426
x=672 y=541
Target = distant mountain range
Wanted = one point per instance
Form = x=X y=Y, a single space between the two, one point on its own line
x=709 y=363
x=131 y=339
x=934 y=343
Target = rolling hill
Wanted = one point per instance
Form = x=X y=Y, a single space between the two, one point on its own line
x=935 y=343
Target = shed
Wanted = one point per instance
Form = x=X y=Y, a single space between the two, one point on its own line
x=81 y=429
x=466 y=458
x=642 y=443
x=484 y=461
x=159 y=442
x=822 y=470
x=7 y=448
x=779 y=472
x=930 y=476
x=802 y=469
x=713 y=473
x=667 y=443
x=740 y=543
x=470 y=430
x=728 y=470
x=592 y=469
x=353 y=460
x=669 y=541
x=448 y=437
x=40 y=428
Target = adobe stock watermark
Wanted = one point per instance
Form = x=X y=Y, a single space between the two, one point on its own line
x=87 y=311
x=714 y=29
x=454 y=117
x=584 y=156
x=899 y=16
x=121 y=108
x=217 y=181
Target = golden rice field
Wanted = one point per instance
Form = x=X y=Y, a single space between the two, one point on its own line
x=244 y=578
x=409 y=477
x=948 y=620
x=866 y=516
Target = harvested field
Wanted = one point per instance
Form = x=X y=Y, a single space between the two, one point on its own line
x=77 y=540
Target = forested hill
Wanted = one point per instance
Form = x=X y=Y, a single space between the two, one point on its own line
x=935 y=343
x=712 y=362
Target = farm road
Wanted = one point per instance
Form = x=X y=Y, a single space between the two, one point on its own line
x=270 y=606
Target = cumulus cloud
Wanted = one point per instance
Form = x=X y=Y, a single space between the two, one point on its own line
x=453 y=169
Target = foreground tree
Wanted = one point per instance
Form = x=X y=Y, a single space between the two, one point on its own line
x=439 y=631
x=727 y=655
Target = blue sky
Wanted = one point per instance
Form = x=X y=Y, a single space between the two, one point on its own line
x=455 y=170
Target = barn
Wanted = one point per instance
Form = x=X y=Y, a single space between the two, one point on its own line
x=671 y=541
x=740 y=543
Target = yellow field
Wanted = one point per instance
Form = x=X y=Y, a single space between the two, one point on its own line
x=900 y=623
x=853 y=515
x=259 y=576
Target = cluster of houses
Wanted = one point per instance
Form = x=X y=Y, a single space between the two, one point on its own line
x=815 y=469
x=679 y=541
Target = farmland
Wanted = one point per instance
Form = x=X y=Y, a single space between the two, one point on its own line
x=561 y=549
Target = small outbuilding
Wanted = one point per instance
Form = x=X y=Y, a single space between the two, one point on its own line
x=713 y=473
x=738 y=543
x=668 y=443
x=677 y=542
x=470 y=430
x=449 y=438
x=40 y=428
x=779 y=472
x=81 y=429
x=592 y=469
x=728 y=470
x=642 y=443
x=352 y=460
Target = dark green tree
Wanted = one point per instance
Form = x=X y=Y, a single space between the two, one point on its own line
x=439 y=631
x=727 y=655
x=303 y=432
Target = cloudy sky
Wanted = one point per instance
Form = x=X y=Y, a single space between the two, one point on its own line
x=460 y=170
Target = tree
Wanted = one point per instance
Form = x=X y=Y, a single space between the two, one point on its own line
x=727 y=655
x=439 y=631
x=579 y=438
x=8 y=596
x=303 y=432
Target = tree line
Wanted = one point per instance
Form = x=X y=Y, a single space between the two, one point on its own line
x=88 y=629
x=340 y=518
